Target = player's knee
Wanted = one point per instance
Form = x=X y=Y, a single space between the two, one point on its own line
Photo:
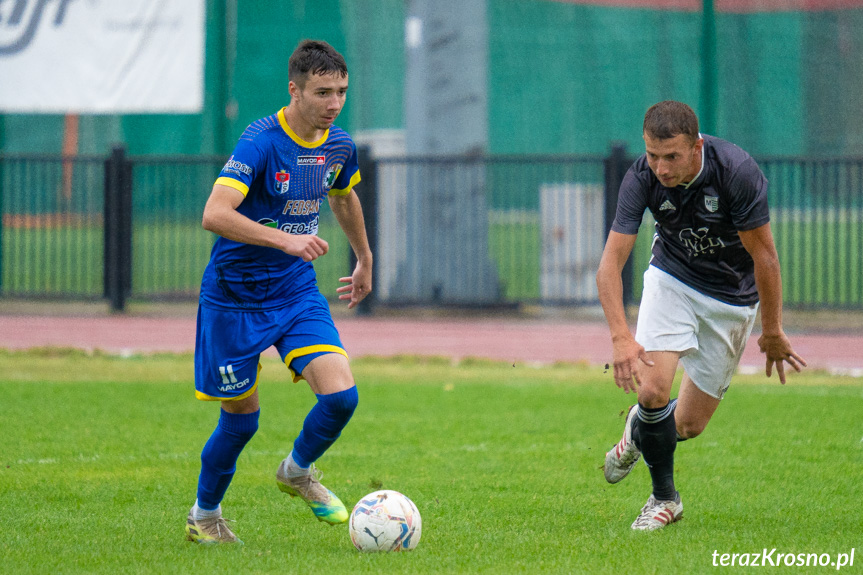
x=350 y=401
x=253 y=429
x=341 y=404
x=689 y=429
x=651 y=398
x=249 y=427
x=237 y=428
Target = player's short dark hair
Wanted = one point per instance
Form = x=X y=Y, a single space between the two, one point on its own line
x=315 y=57
x=668 y=119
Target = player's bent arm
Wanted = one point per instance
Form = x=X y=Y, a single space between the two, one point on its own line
x=768 y=279
x=609 y=282
x=349 y=214
x=773 y=342
x=221 y=217
x=627 y=351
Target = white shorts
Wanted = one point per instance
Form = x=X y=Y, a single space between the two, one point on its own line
x=709 y=334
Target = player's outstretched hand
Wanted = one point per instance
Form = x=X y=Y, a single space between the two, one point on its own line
x=777 y=348
x=307 y=247
x=627 y=355
x=359 y=285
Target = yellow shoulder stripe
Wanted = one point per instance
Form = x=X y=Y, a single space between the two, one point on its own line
x=232 y=183
x=355 y=179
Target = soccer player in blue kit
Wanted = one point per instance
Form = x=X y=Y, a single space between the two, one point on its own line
x=259 y=288
x=713 y=261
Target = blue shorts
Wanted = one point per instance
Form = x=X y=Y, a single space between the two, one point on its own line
x=229 y=343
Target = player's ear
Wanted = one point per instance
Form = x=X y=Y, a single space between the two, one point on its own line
x=293 y=88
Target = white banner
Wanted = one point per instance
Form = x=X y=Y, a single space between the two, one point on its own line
x=101 y=56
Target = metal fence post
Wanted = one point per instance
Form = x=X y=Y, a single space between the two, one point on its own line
x=616 y=165
x=369 y=202
x=118 y=229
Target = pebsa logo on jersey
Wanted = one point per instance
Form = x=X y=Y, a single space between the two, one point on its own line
x=283 y=181
x=711 y=203
x=311 y=160
x=330 y=177
x=302 y=207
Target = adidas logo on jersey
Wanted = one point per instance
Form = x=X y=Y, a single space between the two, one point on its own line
x=667 y=205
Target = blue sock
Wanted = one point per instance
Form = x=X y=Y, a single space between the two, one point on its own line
x=324 y=424
x=219 y=457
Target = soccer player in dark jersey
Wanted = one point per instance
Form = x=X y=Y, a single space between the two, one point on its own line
x=713 y=260
x=259 y=288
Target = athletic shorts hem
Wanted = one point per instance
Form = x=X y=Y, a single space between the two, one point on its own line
x=683 y=352
x=712 y=394
x=205 y=397
x=301 y=351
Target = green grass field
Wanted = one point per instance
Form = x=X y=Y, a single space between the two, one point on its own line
x=102 y=453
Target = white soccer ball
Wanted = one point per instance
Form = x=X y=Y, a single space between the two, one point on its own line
x=385 y=521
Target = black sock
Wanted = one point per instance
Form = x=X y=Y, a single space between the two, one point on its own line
x=636 y=437
x=657 y=439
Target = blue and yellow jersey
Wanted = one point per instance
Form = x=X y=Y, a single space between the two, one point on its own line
x=284 y=180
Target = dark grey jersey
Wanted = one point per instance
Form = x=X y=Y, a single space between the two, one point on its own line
x=696 y=237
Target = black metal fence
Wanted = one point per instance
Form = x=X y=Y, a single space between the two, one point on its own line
x=87 y=228
x=817 y=221
x=94 y=227
x=51 y=231
x=445 y=231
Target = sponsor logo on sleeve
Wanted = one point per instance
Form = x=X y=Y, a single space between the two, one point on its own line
x=330 y=177
x=235 y=167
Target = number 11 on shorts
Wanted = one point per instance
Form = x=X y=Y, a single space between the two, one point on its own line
x=227 y=374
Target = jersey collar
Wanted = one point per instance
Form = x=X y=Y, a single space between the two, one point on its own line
x=300 y=142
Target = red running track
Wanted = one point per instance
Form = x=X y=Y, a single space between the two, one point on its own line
x=534 y=341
